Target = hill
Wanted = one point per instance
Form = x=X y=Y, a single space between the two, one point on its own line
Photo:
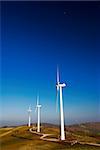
x=20 y=138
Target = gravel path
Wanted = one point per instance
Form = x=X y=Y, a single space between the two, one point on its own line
x=44 y=137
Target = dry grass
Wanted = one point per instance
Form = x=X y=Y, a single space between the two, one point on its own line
x=21 y=139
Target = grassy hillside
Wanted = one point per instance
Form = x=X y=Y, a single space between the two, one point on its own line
x=19 y=138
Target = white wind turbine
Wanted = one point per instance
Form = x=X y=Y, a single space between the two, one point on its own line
x=59 y=90
x=29 y=116
x=38 y=107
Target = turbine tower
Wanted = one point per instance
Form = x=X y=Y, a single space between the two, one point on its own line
x=29 y=116
x=38 y=107
x=59 y=90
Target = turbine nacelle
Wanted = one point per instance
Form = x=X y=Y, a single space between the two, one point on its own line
x=29 y=110
x=38 y=106
x=60 y=85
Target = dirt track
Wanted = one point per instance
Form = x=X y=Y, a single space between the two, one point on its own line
x=8 y=132
x=44 y=137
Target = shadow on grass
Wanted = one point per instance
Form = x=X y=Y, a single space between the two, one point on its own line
x=20 y=137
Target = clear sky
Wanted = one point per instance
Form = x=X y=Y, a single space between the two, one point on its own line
x=38 y=36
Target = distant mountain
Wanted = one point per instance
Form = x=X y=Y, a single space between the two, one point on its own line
x=90 y=129
x=89 y=125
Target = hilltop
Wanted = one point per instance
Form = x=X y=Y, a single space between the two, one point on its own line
x=20 y=138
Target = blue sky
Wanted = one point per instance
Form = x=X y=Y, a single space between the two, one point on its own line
x=38 y=36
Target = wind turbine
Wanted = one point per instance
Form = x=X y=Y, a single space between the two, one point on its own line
x=38 y=107
x=59 y=91
x=29 y=116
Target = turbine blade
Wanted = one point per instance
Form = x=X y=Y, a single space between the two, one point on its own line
x=35 y=109
x=37 y=99
x=29 y=108
x=57 y=88
x=57 y=75
x=57 y=94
